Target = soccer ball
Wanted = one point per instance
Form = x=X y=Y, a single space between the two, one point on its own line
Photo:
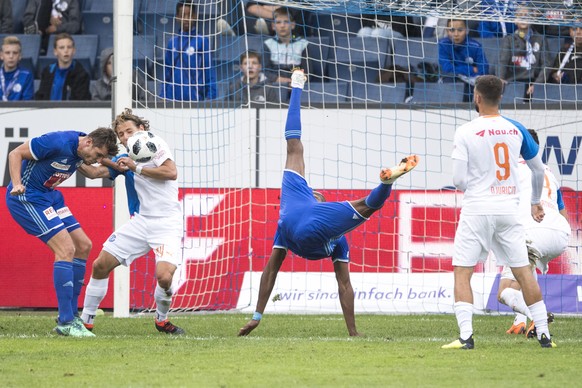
x=142 y=146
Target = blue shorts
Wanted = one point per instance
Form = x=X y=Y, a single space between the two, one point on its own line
x=309 y=228
x=41 y=215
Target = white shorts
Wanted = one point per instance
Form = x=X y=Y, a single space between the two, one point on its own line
x=142 y=234
x=476 y=235
x=549 y=243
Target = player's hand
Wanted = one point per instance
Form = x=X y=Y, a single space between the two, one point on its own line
x=250 y=326
x=537 y=212
x=17 y=190
x=126 y=163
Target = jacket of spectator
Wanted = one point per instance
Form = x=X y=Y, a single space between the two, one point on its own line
x=259 y=93
x=517 y=62
x=18 y=84
x=39 y=12
x=461 y=59
x=6 y=22
x=101 y=89
x=572 y=70
x=75 y=87
x=189 y=74
x=280 y=58
x=498 y=9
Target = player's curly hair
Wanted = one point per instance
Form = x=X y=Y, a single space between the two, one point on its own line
x=128 y=115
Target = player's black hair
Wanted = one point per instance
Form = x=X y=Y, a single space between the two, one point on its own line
x=187 y=3
x=534 y=134
x=105 y=137
x=490 y=88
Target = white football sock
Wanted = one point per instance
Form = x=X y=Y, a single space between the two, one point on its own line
x=519 y=318
x=514 y=299
x=163 y=303
x=464 y=314
x=539 y=315
x=94 y=294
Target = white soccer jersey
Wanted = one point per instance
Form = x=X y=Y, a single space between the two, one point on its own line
x=549 y=200
x=158 y=198
x=491 y=146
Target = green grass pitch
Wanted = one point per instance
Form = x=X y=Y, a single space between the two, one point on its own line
x=284 y=351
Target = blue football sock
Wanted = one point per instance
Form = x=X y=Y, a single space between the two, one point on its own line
x=78 y=279
x=378 y=196
x=293 y=123
x=63 y=282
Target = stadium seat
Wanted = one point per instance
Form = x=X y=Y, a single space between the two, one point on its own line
x=337 y=26
x=317 y=54
x=150 y=23
x=376 y=93
x=100 y=5
x=409 y=53
x=98 y=23
x=30 y=48
x=358 y=59
x=86 y=52
x=143 y=53
x=513 y=93
x=492 y=49
x=438 y=93
x=228 y=51
x=555 y=93
x=329 y=93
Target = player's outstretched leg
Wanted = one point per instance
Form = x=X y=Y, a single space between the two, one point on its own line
x=389 y=175
x=163 y=302
x=295 y=160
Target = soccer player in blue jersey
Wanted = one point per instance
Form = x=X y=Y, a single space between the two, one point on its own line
x=485 y=157
x=312 y=228
x=37 y=167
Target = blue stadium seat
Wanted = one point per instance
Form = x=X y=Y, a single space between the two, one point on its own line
x=18 y=8
x=513 y=93
x=376 y=93
x=228 y=51
x=100 y=5
x=556 y=93
x=492 y=49
x=86 y=52
x=438 y=93
x=143 y=53
x=337 y=26
x=30 y=48
x=408 y=53
x=98 y=23
x=149 y=23
x=167 y=7
x=317 y=54
x=359 y=59
x=325 y=92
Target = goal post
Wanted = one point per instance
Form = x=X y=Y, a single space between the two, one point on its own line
x=371 y=99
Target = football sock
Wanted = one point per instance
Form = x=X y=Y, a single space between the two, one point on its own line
x=163 y=302
x=63 y=283
x=519 y=318
x=378 y=196
x=514 y=299
x=464 y=314
x=94 y=294
x=539 y=315
x=293 y=123
x=78 y=280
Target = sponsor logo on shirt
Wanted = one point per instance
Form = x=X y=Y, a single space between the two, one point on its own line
x=61 y=166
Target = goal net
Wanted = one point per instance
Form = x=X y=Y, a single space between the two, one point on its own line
x=376 y=93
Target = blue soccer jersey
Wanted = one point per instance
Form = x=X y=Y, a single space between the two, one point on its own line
x=313 y=230
x=132 y=198
x=41 y=210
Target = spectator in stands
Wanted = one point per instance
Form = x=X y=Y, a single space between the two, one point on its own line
x=47 y=17
x=283 y=52
x=16 y=83
x=497 y=9
x=102 y=88
x=6 y=23
x=461 y=57
x=189 y=75
x=567 y=67
x=524 y=54
x=559 y=12
x=66 y=79
x=388 y=26
x=253 y=85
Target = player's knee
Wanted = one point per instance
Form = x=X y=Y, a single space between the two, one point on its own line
x=164 y=280
x=100 y=268
x=294 y=146
x=84 y=248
